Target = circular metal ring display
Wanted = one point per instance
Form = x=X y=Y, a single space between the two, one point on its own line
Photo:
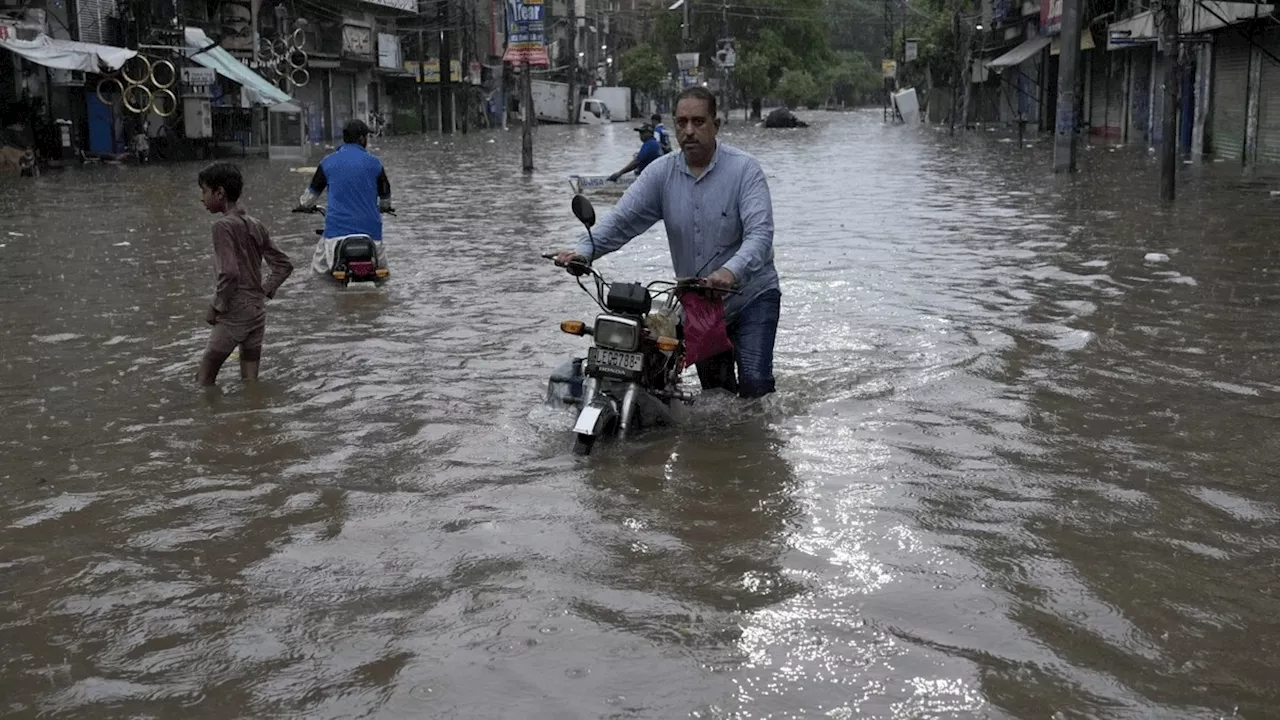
x=146 y=72
x=108 y=81
x=280 y=46
x=172 y=74
x=173 y=102
x=137 y=107
x=293 y=77
x=298 y=59
x=299 y=39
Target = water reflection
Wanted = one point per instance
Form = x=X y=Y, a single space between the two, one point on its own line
x=1014 y=469
x=707 y=523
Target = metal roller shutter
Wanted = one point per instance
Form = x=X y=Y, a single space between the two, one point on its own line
x=310 y=98
x=1269 y=105
x=1140 y=97
x=344 y=88
x=1229 y=95
x=1115 y=95
x=1099 y=113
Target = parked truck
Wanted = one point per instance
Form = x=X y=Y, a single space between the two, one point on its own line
x=617 y=99
x=551 y=105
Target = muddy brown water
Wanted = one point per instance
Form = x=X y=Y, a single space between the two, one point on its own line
x=1013 y=470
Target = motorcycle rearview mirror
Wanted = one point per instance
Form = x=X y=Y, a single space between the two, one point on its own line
x=583 y=210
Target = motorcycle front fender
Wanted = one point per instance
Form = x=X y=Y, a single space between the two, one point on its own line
x=597 y=417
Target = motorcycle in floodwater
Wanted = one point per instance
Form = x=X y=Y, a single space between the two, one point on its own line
x=349 y=258
x=631 y=374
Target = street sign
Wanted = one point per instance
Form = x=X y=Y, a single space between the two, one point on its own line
x=889 y=68
x=686 y=61
x=912 y=49
x=198 y=76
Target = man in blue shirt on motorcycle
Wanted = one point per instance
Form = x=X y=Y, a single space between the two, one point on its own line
x=359 y=193
x=650 y=150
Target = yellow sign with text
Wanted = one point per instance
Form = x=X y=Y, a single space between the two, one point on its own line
x=431 y=70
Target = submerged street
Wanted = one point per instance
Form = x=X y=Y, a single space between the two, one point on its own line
x=1013 y=470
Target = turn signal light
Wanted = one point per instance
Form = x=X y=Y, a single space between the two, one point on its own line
x=666 y=344
x=573 y=327
x=339 y=275
x=381 y=272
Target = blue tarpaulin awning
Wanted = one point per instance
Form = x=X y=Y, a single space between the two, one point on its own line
x=217 y=59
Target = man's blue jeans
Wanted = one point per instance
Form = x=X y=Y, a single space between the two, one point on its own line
x=753 y=334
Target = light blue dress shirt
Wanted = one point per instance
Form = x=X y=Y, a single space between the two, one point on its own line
x=722 y=219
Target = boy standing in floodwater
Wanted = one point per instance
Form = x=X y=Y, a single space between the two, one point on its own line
x=238 y=313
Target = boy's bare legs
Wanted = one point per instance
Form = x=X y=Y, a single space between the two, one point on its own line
x=249 y=360
x=210 y=364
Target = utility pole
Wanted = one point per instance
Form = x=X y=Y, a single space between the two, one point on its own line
x=573 y=63
x=724 y=74
x=530 y=116
x=888 y=53
x=422 y=69
x=1064 y=141
x=687 y=29
x=1169 y=119
x=446 y=68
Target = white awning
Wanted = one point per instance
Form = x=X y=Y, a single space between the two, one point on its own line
x=1019 y=54
x=1198 y=17
x=68 y=54
x=260 y=91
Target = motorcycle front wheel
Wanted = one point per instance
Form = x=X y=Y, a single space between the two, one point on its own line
x=583 y=444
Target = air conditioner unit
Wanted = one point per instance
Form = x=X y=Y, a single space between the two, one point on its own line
x=67 y=77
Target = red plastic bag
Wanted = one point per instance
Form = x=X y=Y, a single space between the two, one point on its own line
x=705 y=333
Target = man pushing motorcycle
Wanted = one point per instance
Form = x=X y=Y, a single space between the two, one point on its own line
x=714 y=202
x=359 y=193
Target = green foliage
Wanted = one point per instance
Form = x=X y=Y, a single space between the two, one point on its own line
x=752 y=74
x=796 y=88
x=642 y=68
x=770 y=37
x=851 y=78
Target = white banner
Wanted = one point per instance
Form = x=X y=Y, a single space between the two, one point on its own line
x=406 y=5
x=389 y=51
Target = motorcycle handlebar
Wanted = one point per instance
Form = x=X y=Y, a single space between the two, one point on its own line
x=317 y=209
x=686 y=283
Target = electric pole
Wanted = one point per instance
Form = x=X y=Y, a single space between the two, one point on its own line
x=422 y=71
x=530 y=116
x=1169 y=114
x=1064 y=141
x=888 y=53
x=573 y=63
x=687 y=28
x=446 y=68
x=723 y=57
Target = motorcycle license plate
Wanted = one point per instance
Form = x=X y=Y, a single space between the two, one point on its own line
x=615 y=360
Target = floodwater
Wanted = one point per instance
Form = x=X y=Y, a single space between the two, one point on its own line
x=1013 y=470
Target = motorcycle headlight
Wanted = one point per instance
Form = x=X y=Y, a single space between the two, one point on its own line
x=618 y=333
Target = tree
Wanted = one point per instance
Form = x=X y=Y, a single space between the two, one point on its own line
x=642 y=68
x=850 y=79
x=796 y=88
x=770 y=35
x=761 y=64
